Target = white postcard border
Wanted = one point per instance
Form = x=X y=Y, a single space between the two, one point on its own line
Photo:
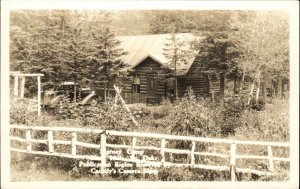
x=291 y=6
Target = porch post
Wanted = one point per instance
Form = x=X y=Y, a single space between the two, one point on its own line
x=22 y=86
x=39 y=95
x=16 y=86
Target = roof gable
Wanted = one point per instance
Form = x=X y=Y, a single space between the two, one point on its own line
x=140 y=47
x=148 y=56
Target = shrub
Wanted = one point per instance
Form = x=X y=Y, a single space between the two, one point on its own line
x=259 y=106
x=107 y=115
x=24 y=112
x=192 y=116
x=232 y=115
x=86 y=115
x=21 y=111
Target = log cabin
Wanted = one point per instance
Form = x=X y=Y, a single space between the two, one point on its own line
x=150 y=78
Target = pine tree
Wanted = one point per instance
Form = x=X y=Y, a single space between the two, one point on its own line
x=178 y=51
x=74 y=54
x=60 y=44
x=35 y=45
x=45 y=54
x=219 y=52
x=106 y=60
x=19 y=49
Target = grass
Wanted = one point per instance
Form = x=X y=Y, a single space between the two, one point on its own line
x=51 y=169
x=272 y=124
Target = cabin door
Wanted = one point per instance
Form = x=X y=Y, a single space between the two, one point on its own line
x=151 y=85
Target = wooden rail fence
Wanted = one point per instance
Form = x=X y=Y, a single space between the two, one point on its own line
x=232 y=156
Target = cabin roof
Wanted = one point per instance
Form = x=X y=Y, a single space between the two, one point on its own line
x=139 y=47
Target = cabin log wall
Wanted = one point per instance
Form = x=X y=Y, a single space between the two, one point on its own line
x=144 y=69
x=203 y=79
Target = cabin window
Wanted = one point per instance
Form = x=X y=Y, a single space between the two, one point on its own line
x=135 y=88
x=171 y=83
x=137 y=80
x=136 y=84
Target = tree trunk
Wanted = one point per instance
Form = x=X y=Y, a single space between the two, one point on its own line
x=208 y=84
x=243 y=79
x=251 y=92
x=279 y=86
x=235 y=86
x=75 y=90
x=105 y=82
x=105 y=91
x=176 y=88
x=273 y=89
x=257 y=92
x=276 y=89
x=108 y=88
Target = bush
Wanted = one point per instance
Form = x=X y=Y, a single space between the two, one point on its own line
x=21 y=112
x=259 y=106
x=24 y=112
x=108 y=115
x=192 y=116
x=232 y=115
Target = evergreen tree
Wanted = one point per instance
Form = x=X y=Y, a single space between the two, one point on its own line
x=106 y=62
x=178 y=51
x=45 y=54
x=74 y=54
x=187 y=21
x=218 y=51
x=35 y=47
x=19 y=49
x=217 y=47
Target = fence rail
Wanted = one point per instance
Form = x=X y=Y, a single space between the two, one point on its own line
x=232 y=155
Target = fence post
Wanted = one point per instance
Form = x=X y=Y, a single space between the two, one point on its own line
x=16 y=86
x=50 y=141
x=28 y=140
x=162 y=151
x=270 y=155
x=232 y=161
x=74 y=139
x=192 y=153
x=103 y=152
x=132 y=156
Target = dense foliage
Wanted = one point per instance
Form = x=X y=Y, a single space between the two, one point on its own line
x=106 y=115
x=63 y=46
x=250 y=46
